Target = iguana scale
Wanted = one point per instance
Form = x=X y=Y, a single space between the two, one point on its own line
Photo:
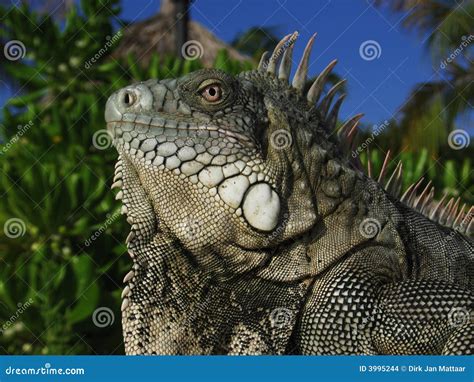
x=253 y=232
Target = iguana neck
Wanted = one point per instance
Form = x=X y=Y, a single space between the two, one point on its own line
x=176 y=307
x=352 y=212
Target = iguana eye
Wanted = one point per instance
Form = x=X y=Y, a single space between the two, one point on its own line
x=212 y=93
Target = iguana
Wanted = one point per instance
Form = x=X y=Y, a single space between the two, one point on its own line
x=253 y=232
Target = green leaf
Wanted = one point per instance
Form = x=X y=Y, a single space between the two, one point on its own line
x=87 y=290
x=450 y=175
x=420 y=164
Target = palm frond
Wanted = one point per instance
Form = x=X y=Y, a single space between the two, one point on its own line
x=256 y=40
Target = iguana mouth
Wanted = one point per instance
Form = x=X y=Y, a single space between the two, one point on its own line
x=174 y=126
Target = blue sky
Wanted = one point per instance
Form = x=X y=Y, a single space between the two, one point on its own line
x=376 y=88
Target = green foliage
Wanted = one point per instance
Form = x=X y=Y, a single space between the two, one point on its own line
x=435 y=107
x=256 y=40
x=57 y=182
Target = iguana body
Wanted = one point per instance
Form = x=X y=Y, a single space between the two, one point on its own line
x=252 y=233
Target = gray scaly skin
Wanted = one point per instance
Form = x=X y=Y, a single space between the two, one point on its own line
x=252 y=233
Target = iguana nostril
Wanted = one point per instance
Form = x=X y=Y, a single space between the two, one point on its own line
x=129 y=98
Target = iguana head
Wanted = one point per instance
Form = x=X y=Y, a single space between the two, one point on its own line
x=218 y=162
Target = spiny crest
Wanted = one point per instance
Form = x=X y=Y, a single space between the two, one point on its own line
x=449 y=214
x=280 y=62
